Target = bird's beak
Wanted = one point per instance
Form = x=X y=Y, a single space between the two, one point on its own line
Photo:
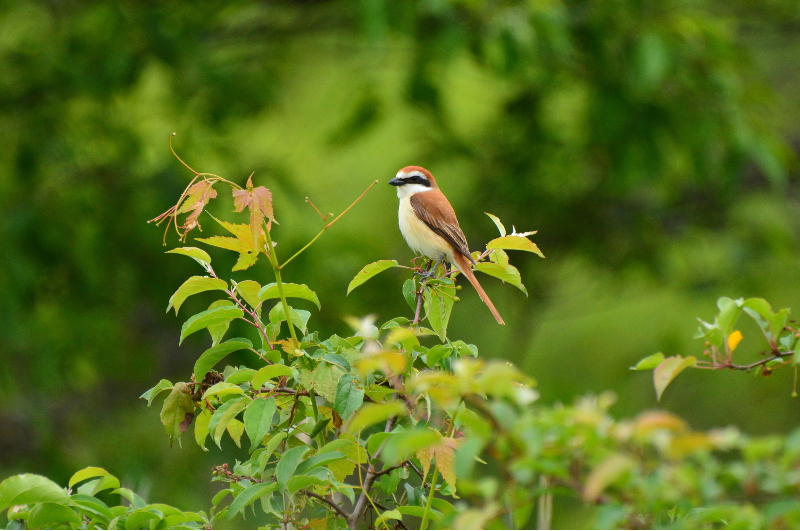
x=397 y=181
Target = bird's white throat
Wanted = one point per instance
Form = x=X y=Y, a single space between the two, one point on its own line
x=411 y=188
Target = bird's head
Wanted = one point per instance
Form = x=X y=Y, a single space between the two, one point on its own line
x=413 y=179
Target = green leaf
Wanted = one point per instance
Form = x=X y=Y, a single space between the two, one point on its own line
x=303 y=482
x=394 y=514
x=240 y=376
x=439 y=300
x=299 y=317
x=135 y=500
x=217 y=331
x=87 y=473
x=177 y=412
x=235 y=430
x=137 y=519
x=295 y=291
x=436 y=354
x=268 y=373
x=288 y=464
x=370 y=414
x=248 y=290
x=323 y=379
x=498 y=223
x=212 y=317
x=90 y=505
x=668 y=369
x=201 y=428
x=516 y=243
x=409 y=293
x=52 y=516
x=212 y=356
x=321 y=459
x=337 y=360
x=507 y=273
x=248 y=496
x=223 y=388
x=225 y=415
x=650 y=362
x=400 y=446
x=369 y=271
x=729 y=311
x=258 y=420
x=348 y=397
x=193 y=286
x=27 y=489
x=199 y=255
x=156 y=390
x=605 y=474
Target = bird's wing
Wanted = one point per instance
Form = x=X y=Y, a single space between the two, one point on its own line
x=435 y=211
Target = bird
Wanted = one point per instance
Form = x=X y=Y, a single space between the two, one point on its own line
x=430 y=227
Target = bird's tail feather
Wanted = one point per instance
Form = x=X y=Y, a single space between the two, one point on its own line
x=464 y=266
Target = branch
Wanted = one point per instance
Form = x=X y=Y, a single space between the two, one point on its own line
x=361 y=504
x=331 y=503
x=776 y=356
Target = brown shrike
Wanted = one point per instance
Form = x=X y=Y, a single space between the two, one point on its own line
x=430 y=226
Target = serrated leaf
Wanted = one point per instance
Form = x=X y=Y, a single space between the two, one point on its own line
x=258 y=420
x=498 y=223
x=371 y=414
x=507 y=273
x=400 y=446
x=25 y=489
x=212 y=317
x=295 y=291
x=516 y=243
x=193 y=286
x=212 y=356
x=650 y=362
x=369 y=271
x=177 y=412
x=156 y=390
x=348 y=396
x=226 y=242
x=323 y=379
x=668 y=369
x=288 y=464
x=443 y=453
x=199 y=255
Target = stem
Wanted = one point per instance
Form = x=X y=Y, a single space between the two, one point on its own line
x=435 y=476
x=362 y=501
x=331 y=503
x=273 y=260
x=327 y=225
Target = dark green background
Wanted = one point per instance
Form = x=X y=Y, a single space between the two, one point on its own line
x=651 y=143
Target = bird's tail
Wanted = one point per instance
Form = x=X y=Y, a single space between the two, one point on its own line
x=463 y=265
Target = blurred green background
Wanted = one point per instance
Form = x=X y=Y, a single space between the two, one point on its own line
x=651 y=142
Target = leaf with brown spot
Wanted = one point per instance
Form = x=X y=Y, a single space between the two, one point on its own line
x=198 y=196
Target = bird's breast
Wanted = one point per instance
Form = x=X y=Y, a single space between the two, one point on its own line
x=419 y=236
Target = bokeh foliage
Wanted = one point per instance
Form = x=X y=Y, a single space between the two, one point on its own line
x=649 y=142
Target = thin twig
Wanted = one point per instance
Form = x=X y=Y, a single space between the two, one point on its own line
x=331 y=503
x=362 y=501
x=327 y=225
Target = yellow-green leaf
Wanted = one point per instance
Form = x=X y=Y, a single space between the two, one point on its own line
x=507 y=273
x=193 y=286
x=370 y=414
x=668 y=369
x=296 y=291
x=369 y=271
x=517 y=243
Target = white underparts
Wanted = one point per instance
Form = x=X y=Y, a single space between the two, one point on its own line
x=418 y=235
